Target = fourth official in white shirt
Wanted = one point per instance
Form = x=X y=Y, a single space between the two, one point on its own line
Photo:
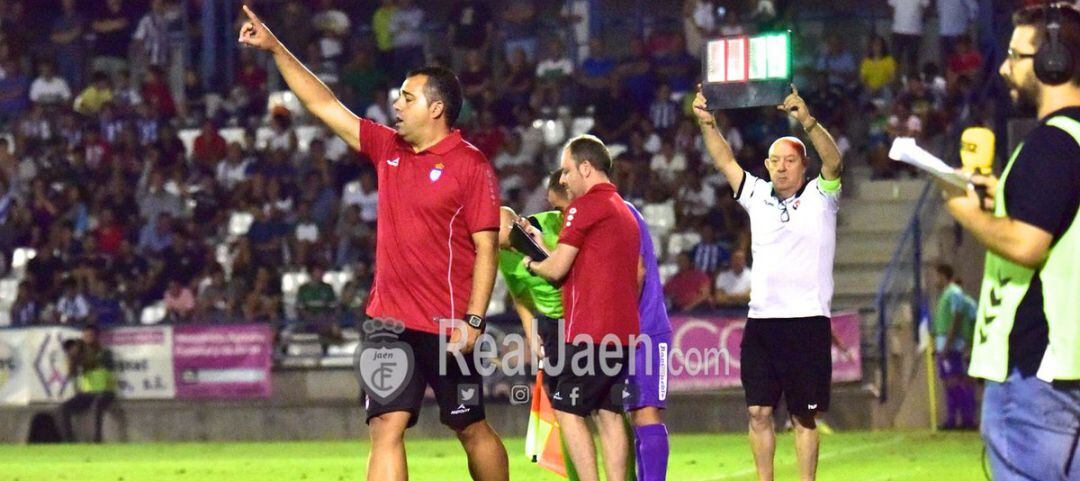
x=786 y=344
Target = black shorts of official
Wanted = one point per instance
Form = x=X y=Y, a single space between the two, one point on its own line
x=548 y=330
x=586 y=389
x=426 y=354
x=791 y=357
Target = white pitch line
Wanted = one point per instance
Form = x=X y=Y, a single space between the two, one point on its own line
x=827 y=455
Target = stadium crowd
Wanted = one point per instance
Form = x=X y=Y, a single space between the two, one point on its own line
x=123 y=213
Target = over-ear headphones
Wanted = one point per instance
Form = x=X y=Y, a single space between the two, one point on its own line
x=1053 y=60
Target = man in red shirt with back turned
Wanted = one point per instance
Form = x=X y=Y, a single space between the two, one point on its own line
x=436 y=254
x=597 y=259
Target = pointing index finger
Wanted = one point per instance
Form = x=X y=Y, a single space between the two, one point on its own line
x=251 y=16
x=794 y=90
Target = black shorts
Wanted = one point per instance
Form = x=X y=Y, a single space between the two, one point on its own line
x=792 y=357
x=548 y=330
x=460 y=395
x=582 y=390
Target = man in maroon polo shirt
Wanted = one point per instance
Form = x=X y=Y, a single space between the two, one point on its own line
x=436 y=253
x=597 y=259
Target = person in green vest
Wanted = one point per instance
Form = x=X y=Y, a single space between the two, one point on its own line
x=1026 y=341
x=91 y=366
x=537 y=302
x=954 y=319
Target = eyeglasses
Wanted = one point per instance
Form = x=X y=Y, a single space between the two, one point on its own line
x=1015 y=56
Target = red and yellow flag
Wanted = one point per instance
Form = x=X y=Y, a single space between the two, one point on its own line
x=543 y=443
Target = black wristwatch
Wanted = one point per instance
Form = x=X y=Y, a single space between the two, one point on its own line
x=475 y=321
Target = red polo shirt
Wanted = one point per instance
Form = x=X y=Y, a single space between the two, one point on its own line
x=430 y=204
x=600 y=294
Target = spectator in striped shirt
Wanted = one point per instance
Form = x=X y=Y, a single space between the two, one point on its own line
x=663 y=112
x=151 y=36
x=710 y=254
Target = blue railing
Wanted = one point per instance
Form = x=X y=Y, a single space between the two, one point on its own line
x=902 y=285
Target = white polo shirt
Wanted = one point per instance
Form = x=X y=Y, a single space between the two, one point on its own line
x=793 y=243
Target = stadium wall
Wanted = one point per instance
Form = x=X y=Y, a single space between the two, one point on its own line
x=321 y=405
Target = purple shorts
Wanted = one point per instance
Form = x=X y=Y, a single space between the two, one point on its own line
x=951 y=364
x=649 y=378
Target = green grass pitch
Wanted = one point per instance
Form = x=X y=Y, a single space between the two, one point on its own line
x=876 y=456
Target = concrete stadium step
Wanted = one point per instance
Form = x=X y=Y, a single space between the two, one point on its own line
x=874 y=216
x=843 y=301
x=867 y=249
x=881 y=218
x=904 y=190
x=862 y=281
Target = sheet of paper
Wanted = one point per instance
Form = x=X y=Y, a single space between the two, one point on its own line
x=904 y=149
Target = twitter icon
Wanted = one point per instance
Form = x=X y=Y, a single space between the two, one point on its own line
x=468 y=394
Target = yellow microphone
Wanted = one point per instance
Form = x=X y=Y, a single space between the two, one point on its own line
x=977 y=150
x=977 y=155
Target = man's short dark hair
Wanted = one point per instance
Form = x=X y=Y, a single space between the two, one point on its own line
x=555 y=183
x=588 y=148
x=442 y=86
x=1035 y=16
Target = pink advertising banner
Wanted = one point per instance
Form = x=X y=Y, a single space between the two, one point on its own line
x=229 y=362
x=705 y=351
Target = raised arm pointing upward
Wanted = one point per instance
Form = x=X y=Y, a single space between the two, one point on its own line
x=312 y=92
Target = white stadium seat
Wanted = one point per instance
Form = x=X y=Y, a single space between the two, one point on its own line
x=239 y=223
x=668 y=270
x=153 y=313
x=337 y=280
x=19 y=259
x=660 y=217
